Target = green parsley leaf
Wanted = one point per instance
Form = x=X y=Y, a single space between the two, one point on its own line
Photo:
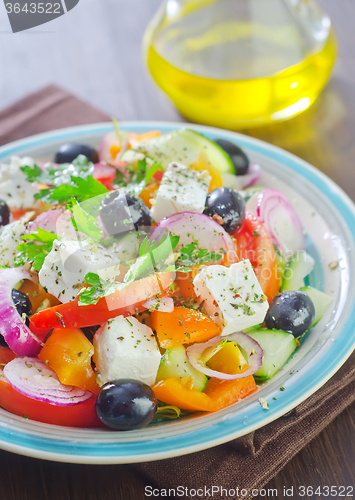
x=147 y=246
x=60 y=174
x=191 y=255
x=136 y=176
x=33 y=173
x=152 y=169
x=36 y=249
x=84 y=222
x=98 y=288
x=79 y=188
x=153 y=257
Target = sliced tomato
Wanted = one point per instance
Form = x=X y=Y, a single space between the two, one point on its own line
x=80 y=415
x=158 y=175
x=125 y=302
x=105 y=174
x=6 y=355
x=254 y=243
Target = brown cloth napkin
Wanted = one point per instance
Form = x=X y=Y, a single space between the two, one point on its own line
x=250 y=461
x=48 y=109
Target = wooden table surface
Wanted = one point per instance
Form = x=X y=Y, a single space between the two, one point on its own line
x=95 y=52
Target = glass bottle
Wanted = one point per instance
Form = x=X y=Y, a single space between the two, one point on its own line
x=240 y=63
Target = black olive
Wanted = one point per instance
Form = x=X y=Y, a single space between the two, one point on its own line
x=69 y=152
x=22 y=304
x=228 y=206
x=238 y=157
x=126 y=404
x=89 y=331
x=121 y=213
x=3 y=342
x=291 y=312
x=5 y=213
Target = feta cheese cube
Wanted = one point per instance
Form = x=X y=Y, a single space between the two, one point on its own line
x=125 y=348
x=181 y=190
x=64 y=268
x=10 y=238
x=14 y=187
x=232 y=296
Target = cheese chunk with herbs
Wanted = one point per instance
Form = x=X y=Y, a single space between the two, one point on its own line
x=10 y=238
x=64 y=269
x=125 y=348
x=180 y=190
x=232 y=296
x=14 y=187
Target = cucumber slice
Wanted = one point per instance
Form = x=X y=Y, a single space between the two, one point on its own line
x=249 y=192
x=321 y=302
x=281 y=262
x=300 y=265
x=174 y=363
x=277 y=346
x=183 y=146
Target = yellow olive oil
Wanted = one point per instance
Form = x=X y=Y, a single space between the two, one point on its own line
x=240 y=63
x=245 y=102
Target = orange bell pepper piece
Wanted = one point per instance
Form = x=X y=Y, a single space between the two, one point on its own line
x=148 y=193
x=185 y=289
x=203 y=163
x=228 y=359
x=144 y=137
x=217 y=394
x=227 y=392
x=182 y=326
x=174 y=392
x=37 y=294
x=68 y=352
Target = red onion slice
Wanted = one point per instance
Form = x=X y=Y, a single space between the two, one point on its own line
x=46 y=221
x=192 y=227
x=253 y=175
x=34 y=379
x=12 y=327
x=163 y=304
x=103 y=171
x=252 y=349
x=281 y=221
x=239 y=182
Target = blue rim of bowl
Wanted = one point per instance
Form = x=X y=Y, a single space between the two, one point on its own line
x=212 y=435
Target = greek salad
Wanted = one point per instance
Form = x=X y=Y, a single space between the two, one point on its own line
x=146 y=279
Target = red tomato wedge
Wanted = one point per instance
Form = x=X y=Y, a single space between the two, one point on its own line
x=105 y=174
x=254 y=243
x=126 y=301
x=80 y=415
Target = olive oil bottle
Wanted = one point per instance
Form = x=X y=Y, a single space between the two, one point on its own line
x=240 y=63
